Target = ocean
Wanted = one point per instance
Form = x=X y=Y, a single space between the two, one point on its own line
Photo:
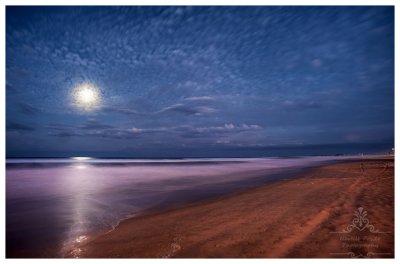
x=53 y=205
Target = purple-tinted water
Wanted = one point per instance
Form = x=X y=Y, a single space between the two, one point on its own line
x=52 y=205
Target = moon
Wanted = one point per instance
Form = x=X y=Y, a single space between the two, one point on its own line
x=86 y=96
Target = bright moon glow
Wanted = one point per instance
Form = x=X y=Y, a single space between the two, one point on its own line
x=86 y=97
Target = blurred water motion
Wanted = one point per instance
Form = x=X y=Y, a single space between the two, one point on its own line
x=53 y=207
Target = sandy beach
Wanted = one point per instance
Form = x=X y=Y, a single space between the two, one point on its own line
x=339 y=210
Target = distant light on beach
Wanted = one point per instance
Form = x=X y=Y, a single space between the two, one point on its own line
x=86 y=96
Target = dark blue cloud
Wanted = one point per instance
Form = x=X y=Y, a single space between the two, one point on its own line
x=212 y=134
x=27 y=108
x=94 y=124
x=173 y=77
x=16 y=126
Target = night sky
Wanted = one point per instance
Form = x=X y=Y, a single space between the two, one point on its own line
x=199 y=81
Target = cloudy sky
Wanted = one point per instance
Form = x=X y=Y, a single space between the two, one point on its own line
x=198 y=81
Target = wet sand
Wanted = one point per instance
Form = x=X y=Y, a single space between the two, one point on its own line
x=312 y=216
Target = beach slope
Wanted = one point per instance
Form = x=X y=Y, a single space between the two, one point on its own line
x=339 y=210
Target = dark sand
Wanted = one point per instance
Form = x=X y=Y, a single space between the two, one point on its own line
x=293 y=218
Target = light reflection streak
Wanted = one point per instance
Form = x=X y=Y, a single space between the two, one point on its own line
x=81 y=158
x=80 y=182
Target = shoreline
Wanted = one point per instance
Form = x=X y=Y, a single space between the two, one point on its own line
x=196 y=230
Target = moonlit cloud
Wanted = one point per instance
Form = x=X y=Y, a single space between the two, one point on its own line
x=200 y=98
x=188 y=109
